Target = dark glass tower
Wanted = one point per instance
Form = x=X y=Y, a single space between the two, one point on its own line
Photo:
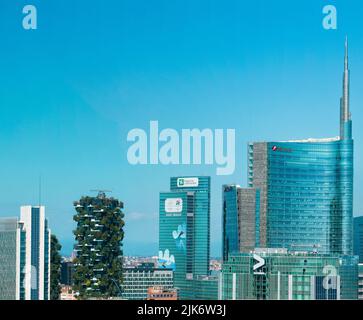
x=241 y=217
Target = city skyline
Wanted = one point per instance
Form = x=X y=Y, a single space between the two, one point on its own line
x=243 y=66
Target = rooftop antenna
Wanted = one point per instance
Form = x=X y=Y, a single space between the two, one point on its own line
x=40 y=190
x=345 y=116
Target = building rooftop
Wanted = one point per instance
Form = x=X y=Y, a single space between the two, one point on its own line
x=314 y=140
x=308 y=140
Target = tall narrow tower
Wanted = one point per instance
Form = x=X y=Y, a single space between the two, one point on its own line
x=345 y=116
x=184 y=232
x=36 y=271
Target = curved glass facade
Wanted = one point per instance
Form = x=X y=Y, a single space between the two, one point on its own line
x=304 y=191
x=307 y=194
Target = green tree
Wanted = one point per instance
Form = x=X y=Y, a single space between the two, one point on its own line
x=55 y=266
x=99 y=235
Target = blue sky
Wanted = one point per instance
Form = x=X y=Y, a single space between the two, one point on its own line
x=72 y=89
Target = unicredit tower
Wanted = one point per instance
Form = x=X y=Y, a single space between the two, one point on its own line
x=306 y=188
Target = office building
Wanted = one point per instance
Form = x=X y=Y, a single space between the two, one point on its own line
x=138 y=280
x=184 y=231
x=205 y=287
x=37 y=258
x=67 y=270
x=12 y=257
x=360 y=281
x=358 y=237
x=160 y=293
x=241 y=207
x=276 y=274
x=67 y=293
x=25 y=249
x=306 y=188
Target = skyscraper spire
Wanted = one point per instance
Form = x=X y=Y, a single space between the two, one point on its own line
x=345 y=118
x=346 y=54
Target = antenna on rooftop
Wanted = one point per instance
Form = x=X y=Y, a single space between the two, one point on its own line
x=40 y=190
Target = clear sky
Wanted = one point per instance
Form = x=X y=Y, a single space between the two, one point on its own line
x=93 y=70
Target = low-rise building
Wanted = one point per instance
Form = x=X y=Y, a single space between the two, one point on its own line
x=276 y=274
x=205 y=287
x=160 y=293
x=137 y=280
x=67 y=293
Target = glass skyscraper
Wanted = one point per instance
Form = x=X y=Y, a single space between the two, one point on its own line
x=303 y=192
x=184 y=231
x=307 y=188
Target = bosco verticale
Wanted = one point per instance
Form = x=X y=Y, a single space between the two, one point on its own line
x=99 y=235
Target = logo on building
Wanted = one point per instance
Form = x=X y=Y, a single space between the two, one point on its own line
x=260 y=263
x=187 y=182
x=330 y=280
x=166 y=260
x=179 y=236
x=280 y=149
x=173 y=205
